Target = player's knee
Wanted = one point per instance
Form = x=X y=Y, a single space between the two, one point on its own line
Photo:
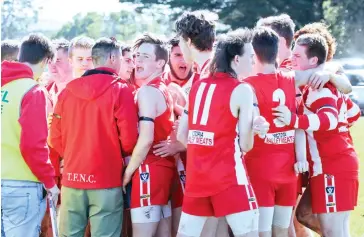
x=243 y=222
x=191 y=225
x=282 y=216
x=265 y=219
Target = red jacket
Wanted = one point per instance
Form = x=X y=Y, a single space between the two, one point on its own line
x=95 y=122
x=33 y=123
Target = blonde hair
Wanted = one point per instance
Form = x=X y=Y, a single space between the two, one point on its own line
x=82 y=42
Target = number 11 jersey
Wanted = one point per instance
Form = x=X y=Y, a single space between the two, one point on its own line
x=214 y=159
x=273 y=157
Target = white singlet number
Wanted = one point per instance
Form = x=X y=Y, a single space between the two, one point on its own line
x=206 y=106
x=279 y=96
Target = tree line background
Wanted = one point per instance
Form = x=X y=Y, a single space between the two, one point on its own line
x=344 y=17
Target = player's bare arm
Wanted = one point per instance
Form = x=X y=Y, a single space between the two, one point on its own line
x=182 y=131
x=316 y=78
x=179 y=98
x=241 y=106
x=339 y=79
x=301 y=164
x=147 y=103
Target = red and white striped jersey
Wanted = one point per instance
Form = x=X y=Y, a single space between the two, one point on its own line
x=353 y=111
x=325 y=119
x=214 y=157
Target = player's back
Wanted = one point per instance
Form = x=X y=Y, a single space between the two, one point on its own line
x=214 y=157
x=273 y=157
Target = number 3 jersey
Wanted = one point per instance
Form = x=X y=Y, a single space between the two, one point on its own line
x=214 y=158
x=273 y=157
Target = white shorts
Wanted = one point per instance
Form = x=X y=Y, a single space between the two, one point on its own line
x=240 y=223
x=150 y=214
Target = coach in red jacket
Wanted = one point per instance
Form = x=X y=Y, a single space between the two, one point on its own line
x=94 y=125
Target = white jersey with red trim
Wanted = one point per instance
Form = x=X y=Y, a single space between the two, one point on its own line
x=326 y=123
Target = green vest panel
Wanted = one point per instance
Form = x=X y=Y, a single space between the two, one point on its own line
x=13 y=166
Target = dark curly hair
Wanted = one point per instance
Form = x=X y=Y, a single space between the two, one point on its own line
x=321 y=29
x=282 y=24
x=228 y=46
x=194 y=26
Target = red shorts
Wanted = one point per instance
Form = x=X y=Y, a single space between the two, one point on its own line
x=271 y=193
x=179 y=185
x=151 y=185
x=333 y=194
x=235 y=199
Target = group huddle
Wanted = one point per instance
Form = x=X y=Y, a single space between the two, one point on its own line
x=243 y=134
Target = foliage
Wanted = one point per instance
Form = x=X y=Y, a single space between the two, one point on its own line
x=16 y=16
x=244 y=13
x=345 y=20
x=123 y=25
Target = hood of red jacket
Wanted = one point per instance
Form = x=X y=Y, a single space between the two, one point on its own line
x=93 y=83
x=11 y=71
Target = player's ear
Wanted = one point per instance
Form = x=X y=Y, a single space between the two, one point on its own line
x=313 y=61
x=161 y=63
x=189 y=42
x=70 y=60
x=236 y=59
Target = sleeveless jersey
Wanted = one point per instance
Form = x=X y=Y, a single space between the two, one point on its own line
x=162 y=126
x=273 y=157
x=214 y=158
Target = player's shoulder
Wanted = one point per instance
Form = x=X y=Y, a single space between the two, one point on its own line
x=253 y=78
x=242 y=89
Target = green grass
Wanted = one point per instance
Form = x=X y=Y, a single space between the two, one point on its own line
x=357 y=217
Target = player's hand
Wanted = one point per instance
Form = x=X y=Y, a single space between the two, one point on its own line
x=167 y=148
x=127 y=178
x=53 y=193
x=176 y=125
x=49 y=120
x=283 y=114
x=318 y=79
x=260 y=126
x=301 y=167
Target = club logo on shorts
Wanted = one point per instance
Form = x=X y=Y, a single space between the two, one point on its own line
x=144 y=177
x=252 y=199
x=330 y=190
x=182 y=177
x=144 y=196
x=147 y=212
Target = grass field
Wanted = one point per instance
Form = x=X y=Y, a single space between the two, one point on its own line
x=357 y=217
